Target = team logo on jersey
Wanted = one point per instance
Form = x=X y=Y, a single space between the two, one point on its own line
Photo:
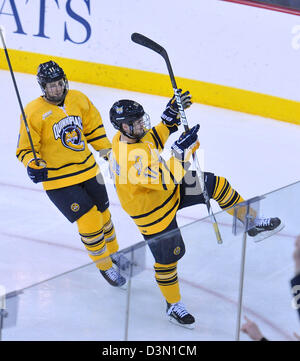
x=69 y=130
x=71 y=138
x=75 y=207
x=177 y=251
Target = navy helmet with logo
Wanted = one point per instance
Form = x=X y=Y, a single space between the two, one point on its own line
x=128 y=111
x=49 y=72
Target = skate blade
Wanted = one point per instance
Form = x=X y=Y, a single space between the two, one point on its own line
x=190 y=326
x=266 y=234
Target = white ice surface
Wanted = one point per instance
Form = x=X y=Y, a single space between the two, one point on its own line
x=255 y=154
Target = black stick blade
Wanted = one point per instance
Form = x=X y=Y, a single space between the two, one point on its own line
x=148 y=43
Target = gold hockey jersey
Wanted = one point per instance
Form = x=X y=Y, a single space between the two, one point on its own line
x=60 y=136
x=147 y=185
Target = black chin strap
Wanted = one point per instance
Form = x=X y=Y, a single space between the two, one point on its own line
x=129 y=135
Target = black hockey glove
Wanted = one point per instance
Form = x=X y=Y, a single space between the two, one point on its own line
x=187 y=144
x=171 y=117
x=37 y=173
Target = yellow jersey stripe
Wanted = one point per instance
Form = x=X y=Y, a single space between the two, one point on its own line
x=157 y=208
x=69 y=164
x=71 y=174
x=93 y=139
x=87 y=134
x=157 y=137
x=161 y=218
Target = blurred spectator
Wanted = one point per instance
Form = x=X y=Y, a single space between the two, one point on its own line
x=295 y=282
x=292 y=4
x=253 y=331
x=251 y=328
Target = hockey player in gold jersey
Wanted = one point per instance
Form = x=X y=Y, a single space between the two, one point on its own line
x=151 y=190
x=62 y=123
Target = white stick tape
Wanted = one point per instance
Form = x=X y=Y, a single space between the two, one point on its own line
x=3 y=36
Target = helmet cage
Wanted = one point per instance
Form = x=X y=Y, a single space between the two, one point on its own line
x=145 y=120
x=128 y=112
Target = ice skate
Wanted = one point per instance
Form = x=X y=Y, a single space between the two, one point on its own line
x=177 y=314
x=114 y=278
x=264 y=228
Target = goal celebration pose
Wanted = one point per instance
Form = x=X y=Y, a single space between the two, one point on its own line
x=152 y=190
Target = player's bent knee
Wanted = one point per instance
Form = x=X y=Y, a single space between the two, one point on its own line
x=168 y=249
x=90 y=222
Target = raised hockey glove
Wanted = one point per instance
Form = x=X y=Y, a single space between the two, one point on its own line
x=187 y=144
x=104 y=153
x=37 y=173
x=171 y=117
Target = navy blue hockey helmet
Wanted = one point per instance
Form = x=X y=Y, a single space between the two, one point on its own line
x=128 y=111
x=49 y=72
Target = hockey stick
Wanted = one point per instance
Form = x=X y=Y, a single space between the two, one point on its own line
x=18 y=96
x=150 y=44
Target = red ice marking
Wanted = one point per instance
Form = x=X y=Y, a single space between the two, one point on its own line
x=118 y=205
x=245 y=308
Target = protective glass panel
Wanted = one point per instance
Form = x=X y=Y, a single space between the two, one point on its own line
x=269 y=267
x=209 y=282
x=78 y=305
x=240 y=277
